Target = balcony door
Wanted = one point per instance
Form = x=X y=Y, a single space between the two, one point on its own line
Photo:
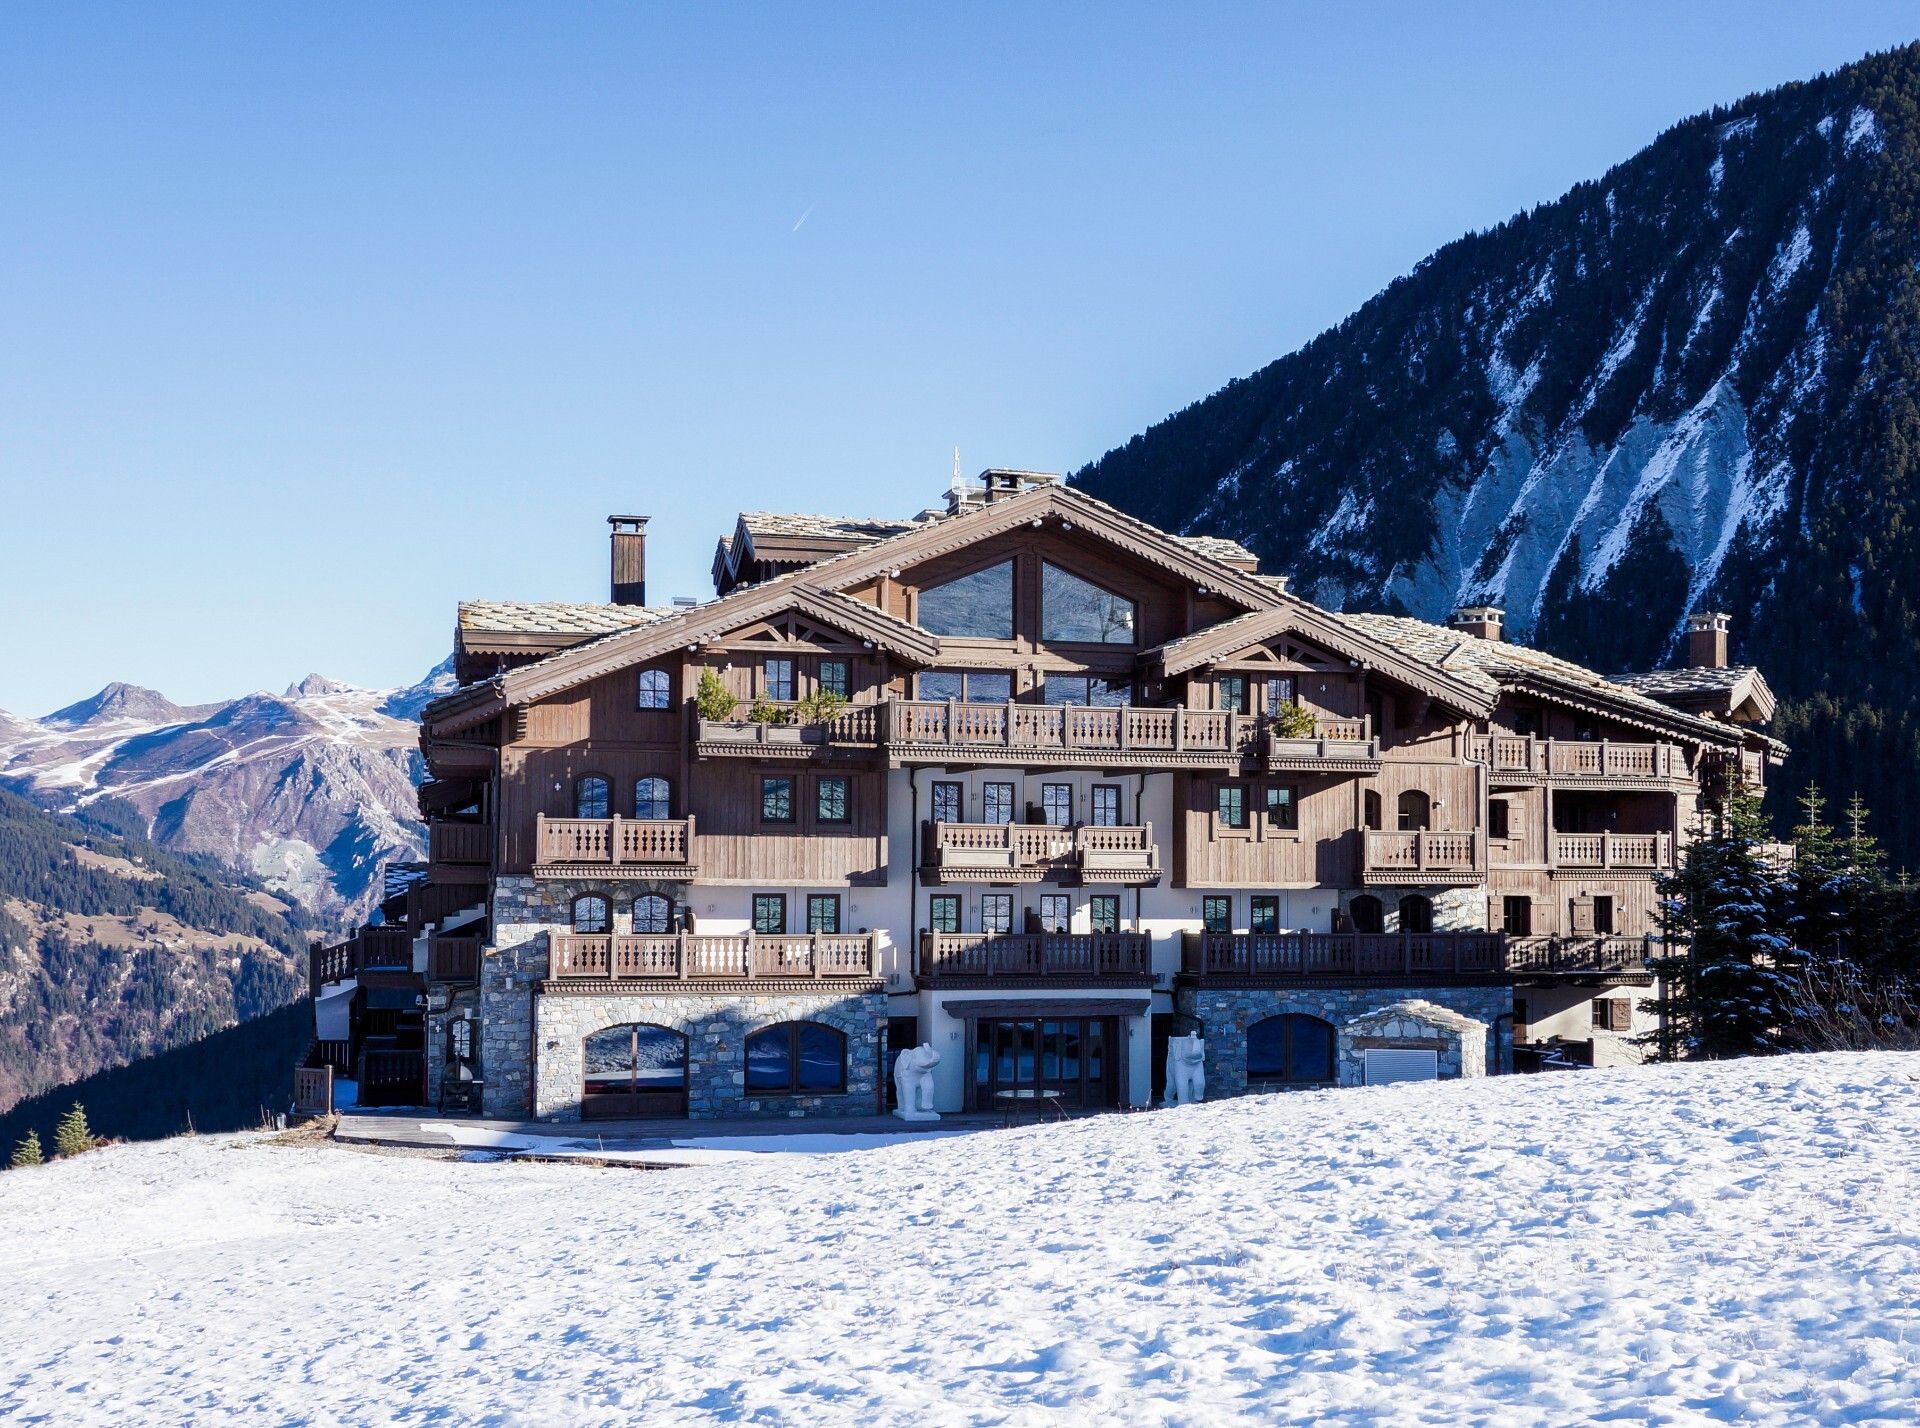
x=1072 y=1057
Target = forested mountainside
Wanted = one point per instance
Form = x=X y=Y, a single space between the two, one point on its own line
x=311 y=790
x=232 y=1080
x=112 y=948
x=1693 y=382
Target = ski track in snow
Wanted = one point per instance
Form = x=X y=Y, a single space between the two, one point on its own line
x=1733 y=1242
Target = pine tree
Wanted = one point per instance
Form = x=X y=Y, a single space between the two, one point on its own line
x=1731 y=977
x=71 y=1136
x=27 y=1152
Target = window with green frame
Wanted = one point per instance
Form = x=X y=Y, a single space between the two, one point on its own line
x=830 y=799
x=769 y=912
x=1216 y=913
x=943 y=912
x=1230 y=805
x=776 y=799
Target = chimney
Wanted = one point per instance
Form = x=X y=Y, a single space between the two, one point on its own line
x=1707 y=639
x=1482 y=622
x=629 y=559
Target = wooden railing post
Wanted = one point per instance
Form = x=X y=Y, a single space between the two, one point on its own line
x=813 y=950
x=748 y=943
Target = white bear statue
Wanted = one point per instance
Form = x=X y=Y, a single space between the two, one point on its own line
x=1186 y=1069
x=913 y=1083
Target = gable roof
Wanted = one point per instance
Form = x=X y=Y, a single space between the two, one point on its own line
x=581 y=663
x=1296 y=616
x=1722 y=691
x=479 y=619
x=1495 y=665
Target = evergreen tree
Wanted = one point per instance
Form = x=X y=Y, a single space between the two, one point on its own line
x=27 y=1152
x=71 y=1136
x=1731 y=978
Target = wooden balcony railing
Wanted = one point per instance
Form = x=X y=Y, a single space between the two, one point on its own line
x=459 y=842
x=1035 y=956
x=1336 y=745
x=453 y=959
x=1591 y=955
x=1422 y=857
x=613 y=842
x=385 y=949
x=1281 y=956
x=926 y=729
x=1628 y=852
x=856 y=726
x=687 y=956
x=1577 y=758
x=991 y=851
x=313 y=1090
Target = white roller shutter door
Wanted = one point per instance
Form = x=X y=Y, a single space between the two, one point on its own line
x=1386 y=1066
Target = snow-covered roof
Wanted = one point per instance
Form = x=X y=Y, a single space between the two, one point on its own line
x=542 y=617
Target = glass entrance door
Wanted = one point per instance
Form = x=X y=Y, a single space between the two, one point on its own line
x=1072 y=1057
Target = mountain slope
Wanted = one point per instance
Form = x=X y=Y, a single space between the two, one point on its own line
x=112 y=948
x=310 y=790
x=1689 y=383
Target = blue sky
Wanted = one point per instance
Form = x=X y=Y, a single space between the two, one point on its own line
x=285 y=288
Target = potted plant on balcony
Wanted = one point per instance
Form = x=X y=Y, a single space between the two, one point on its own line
x=714 y=701
x=1292 y=721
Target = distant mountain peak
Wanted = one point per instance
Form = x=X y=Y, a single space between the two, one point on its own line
x=316 y=684
x=118 y=703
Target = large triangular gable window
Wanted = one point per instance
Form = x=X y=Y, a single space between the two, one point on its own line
x=1076 y=611
x=976 y=606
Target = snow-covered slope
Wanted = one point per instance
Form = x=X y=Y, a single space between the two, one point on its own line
x=1714 y=1243
x=311 y=789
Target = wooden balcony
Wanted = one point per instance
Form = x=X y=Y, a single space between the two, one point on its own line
x=1612 y=852
x=854 y=730
x=694 y=957
x=1062 y=735
x=1442 y=859
x=1035 y=958
x=1025 y=853
x=1410 y=957
x=614 y=848
x=453 y=958
x=449 y=842
x=1336 y=746
x=1596 y=761
x=383 y=952
x=1579 y=956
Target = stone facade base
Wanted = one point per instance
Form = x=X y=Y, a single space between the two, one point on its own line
x=1445 y=1019
x=716 y=1027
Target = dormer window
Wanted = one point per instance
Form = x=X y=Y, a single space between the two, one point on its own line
x=1076 y=611
x=977 y=606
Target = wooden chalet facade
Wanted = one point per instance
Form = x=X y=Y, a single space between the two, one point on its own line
x=1036 y=783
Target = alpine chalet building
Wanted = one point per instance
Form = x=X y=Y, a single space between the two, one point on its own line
x=1031 y=782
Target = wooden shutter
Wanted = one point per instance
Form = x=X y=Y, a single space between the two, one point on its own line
x=1581 y=916
x=1619 y=1014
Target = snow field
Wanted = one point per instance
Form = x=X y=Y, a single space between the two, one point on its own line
x=1731 y=1242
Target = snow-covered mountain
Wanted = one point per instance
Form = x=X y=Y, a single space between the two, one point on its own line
x=310 y=789
x=1691 y=382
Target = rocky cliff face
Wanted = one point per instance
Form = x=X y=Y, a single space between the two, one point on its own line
x=309 y=790
x=1688 y=383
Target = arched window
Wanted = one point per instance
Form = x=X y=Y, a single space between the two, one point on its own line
x=1367 y=913
x=1078 y=611
x=590 y=915
x=634 y=1059
x=654 y=689
x=591 y=797
x=1290 y=1049
x=651 y=799
x=652 y=913
x=1370 y=809
x=1416 y=913
x=979 y=605
x=1414 y=811
x=799 y=1056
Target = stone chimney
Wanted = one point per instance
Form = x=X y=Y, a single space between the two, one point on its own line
x=1707 y=639
x=629 y=559
x=1482 y=622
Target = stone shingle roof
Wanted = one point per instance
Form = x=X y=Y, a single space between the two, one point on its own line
x=812 y=527
x=553 y=617
x=1489 y=664
x=1660 y=683
x=1219 y=548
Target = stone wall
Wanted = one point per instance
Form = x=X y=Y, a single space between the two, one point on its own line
x=1454 y=909
x=1459 y=1042
x=716 y=1026
x=1225 y=1013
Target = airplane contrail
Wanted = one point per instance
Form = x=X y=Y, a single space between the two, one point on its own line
x=804 y=217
